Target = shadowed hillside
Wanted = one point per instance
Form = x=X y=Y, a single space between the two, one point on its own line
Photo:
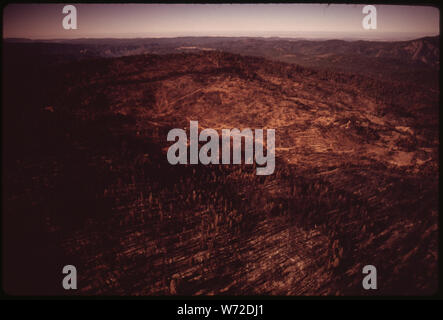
x=85 y=166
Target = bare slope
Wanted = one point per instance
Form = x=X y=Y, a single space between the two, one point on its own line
x=355 y=181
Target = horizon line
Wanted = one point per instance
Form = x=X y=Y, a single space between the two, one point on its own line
x=299 y=37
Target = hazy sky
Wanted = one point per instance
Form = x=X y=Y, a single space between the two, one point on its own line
x=44 y=21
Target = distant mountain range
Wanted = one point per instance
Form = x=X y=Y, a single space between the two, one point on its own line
x=419 y=58
x=425 y=50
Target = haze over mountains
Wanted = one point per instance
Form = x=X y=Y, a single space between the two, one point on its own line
x=356 y=178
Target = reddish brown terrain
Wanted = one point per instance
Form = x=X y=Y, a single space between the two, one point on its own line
x=87 y=182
